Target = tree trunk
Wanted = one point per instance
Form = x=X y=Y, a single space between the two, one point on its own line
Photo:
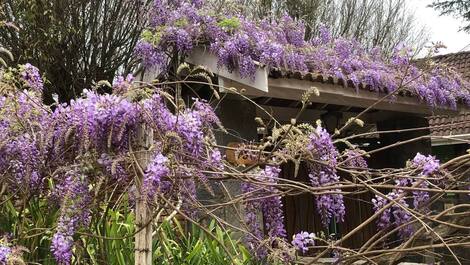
x=143 y=215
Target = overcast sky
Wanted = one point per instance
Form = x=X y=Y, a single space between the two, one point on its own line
x=441 y=28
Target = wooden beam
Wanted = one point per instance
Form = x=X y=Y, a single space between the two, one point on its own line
x=293 y=89
x=339 y=95
x=285 y=114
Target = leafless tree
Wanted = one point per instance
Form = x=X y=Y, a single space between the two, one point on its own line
x=75 y=42
x=371 y=22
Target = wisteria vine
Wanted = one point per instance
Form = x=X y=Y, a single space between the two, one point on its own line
x=398 y=215
x=67 y=153
x=177 y=27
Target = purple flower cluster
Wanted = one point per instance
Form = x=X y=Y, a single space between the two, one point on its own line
x=255 y=233
x=150 y=56
x=395 y=215
x=156 y=170
x=238 y=42
x=32 y=78
x=303 y=240
x=113 y=168
x=323 y=173
x=5 y=252
x=100 y=122
x=270 y=204
x=428 y=165
x=21 y=152
x=355 y=159
x=121 y=85
x=190 y=125
x=75 y=212
x=24 y=161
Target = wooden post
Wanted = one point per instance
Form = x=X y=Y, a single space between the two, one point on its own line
x=143 y=215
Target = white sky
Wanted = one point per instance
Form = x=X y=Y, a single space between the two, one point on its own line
x=441 y=28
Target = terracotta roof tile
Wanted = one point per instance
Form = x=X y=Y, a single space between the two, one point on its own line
x=459 y=124
x=445 y=125
x=459 y=61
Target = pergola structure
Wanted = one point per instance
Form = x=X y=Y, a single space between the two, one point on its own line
x=280 y=92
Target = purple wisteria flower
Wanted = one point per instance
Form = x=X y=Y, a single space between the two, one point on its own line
x=121 y=85
x=156 y=170
x=113 y=168
x=355 y=159
x=324 y=174
x=90 y=139
x=395 y=215
x=100 y=122
x=255 y=233
x=272 y=206
x=238 y=42
x=75 y=198
x=5 y=252
x=303 y=240
x=150 y=56
x=32 y=78
x=24 y=160
x=266 y=201
x=61 y=247
x=428 y=165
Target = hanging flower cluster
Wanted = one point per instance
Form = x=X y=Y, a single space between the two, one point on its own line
x=397 y=214
x=303 y=240
x=155 y=172
x=354 y=158
x=32 y=78
x=266 y=199
x=428 y=165
x=75 y=212
x=393 y=216
x=66 y=153
x=176 y=27
x=5 y=252
x=122 y=85
x=323 y=173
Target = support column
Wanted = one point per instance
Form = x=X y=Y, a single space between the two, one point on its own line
x=143 y=215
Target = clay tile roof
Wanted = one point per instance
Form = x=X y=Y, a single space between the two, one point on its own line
x=459 y=61
x=445 y=125
x=459 y=124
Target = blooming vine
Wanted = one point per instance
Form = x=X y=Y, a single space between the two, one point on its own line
x=74 y=213
x=428 y=165
x=66 y=153
x=176 y=27
x=270 y=203
x=323 y=173
x=354 y=158
x=32 y=78
x=303 y=240
x=5 y=252
x=397 y=214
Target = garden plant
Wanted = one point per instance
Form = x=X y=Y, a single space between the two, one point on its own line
x=113 y=178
